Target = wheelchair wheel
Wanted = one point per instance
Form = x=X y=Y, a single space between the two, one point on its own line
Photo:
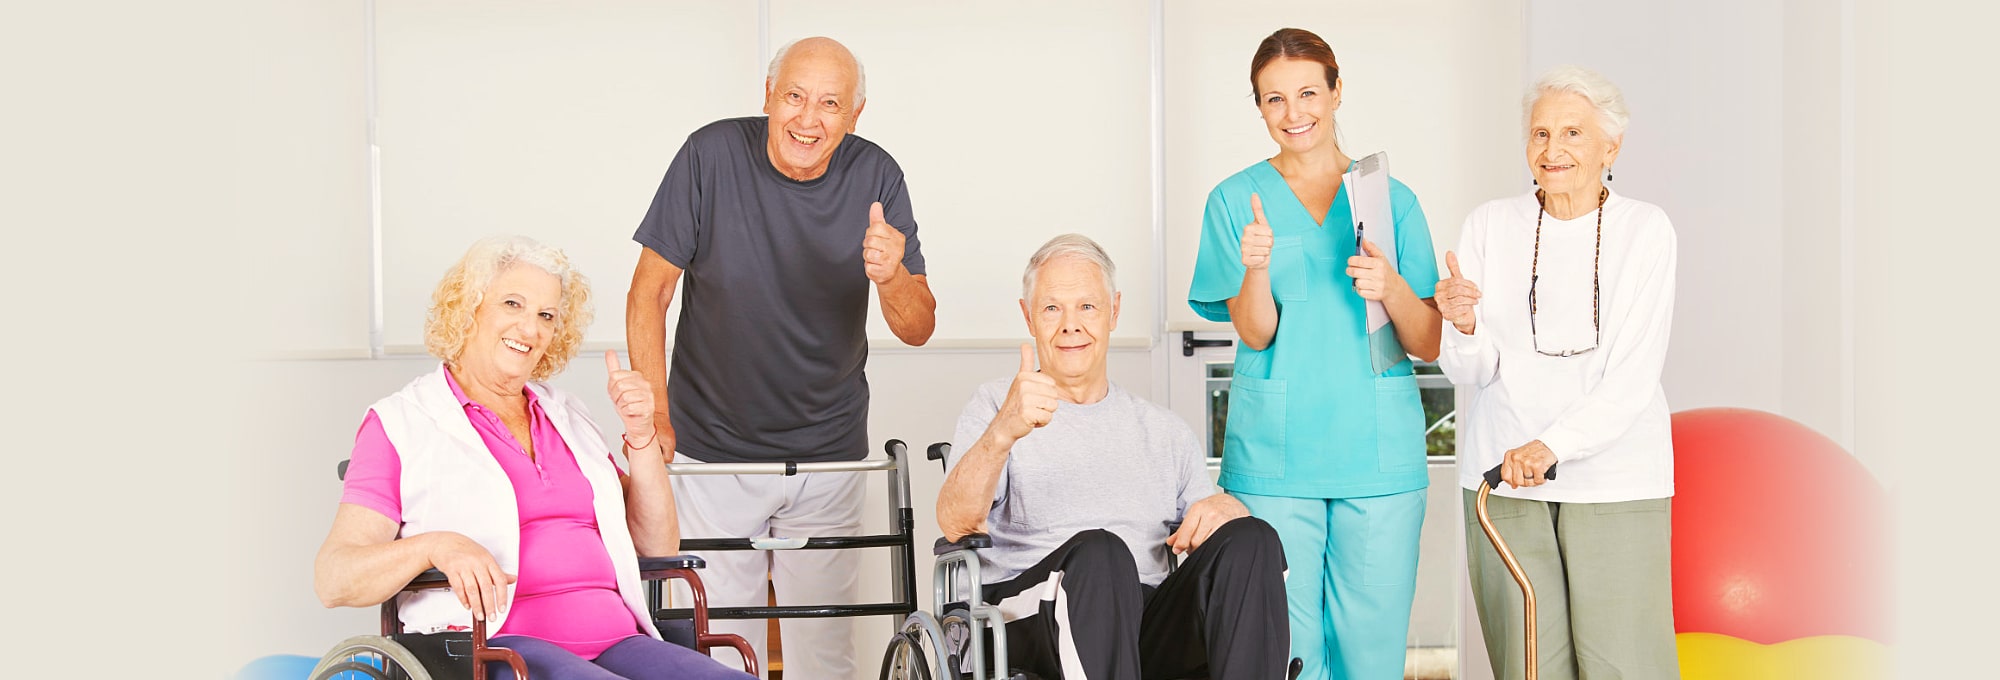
x=369 y=656
x=905 y=660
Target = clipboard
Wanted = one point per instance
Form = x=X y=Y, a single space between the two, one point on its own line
x=1367 y=184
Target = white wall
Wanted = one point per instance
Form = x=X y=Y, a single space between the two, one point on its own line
x=1817 y=312
x=303 y=197
x=552 y=120
x=1924 y=391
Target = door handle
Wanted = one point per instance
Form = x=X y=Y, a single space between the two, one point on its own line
x=1188 y=343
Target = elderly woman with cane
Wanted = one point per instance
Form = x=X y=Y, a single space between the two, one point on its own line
x=1558 y=307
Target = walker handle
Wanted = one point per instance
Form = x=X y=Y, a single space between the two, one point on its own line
x=1493 y=475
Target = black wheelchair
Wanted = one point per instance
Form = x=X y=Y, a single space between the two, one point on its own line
x=953 y=643
x=456 y=655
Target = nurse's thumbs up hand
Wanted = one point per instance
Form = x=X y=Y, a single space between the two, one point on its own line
x=1031 y=401
x=1256 y=243
x=1457 y=296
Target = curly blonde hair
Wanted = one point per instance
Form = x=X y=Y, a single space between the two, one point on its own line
x=449 y=323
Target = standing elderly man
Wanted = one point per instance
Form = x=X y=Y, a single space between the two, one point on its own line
x=1077 y=480
x=778 y=224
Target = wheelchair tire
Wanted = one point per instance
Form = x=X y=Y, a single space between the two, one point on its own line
x=904 y=659
x=371 y=656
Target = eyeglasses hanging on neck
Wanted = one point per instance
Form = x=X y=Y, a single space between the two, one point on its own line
x=1534 y=278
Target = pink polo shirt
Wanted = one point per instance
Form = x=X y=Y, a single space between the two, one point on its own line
x=567 y=592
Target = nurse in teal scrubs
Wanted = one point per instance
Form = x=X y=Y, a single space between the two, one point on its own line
x=1320 y=444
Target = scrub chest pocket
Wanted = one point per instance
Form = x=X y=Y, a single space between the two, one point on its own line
x=1288 y=269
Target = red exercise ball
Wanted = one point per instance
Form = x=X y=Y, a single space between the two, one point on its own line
x=1779 y=534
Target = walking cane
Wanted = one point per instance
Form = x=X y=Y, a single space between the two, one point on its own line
x=1492 y=479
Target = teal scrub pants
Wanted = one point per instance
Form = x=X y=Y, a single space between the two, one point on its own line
x=1352 y=579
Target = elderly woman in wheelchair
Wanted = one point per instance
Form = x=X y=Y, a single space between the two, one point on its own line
x=1077 y=492
x=503 y=487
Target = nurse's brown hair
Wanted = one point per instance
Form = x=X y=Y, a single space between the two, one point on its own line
x=1293 y=43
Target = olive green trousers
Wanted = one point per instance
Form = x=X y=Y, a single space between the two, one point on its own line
x=1603 y=582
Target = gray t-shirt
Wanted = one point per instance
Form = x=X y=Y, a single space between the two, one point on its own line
x=1121 y=464
x=772 y=338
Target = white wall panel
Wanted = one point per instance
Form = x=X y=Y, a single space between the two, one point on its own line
x=552 y=120
x=303 y=193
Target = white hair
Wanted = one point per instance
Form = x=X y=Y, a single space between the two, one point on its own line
x=860 y=74
x=1591 y=85
x=1070 y=245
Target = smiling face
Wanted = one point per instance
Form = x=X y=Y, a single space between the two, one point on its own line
x=1567 y=146
x=518 y=316
x=1297 y=103
x=811 y=104
x=1071 y=313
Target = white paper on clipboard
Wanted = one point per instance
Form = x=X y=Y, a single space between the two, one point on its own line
x=1367 y=184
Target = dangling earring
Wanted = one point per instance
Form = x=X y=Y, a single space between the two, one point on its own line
x=1607 y=173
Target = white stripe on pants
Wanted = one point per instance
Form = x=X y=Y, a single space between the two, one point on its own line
x=799 y=506
x=1028 y=603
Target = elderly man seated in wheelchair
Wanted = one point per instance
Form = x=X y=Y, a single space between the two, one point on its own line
x=1078 y=483
x=506 y=486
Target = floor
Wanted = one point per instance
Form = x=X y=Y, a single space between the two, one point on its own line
x=1431 y=663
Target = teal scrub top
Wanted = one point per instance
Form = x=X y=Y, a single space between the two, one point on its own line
x=1308 y=417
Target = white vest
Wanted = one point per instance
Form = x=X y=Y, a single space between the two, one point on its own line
x=451 y=482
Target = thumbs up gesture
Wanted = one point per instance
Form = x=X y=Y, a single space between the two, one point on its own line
x=632 y=398
x=1256 y=244
x=1456 y=296
x=881 y=247
x=1031 y=400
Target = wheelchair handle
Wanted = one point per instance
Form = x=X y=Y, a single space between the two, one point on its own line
x=939 y=452
x=1493 y=475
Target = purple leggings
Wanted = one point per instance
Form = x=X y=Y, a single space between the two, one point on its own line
x=635 y=658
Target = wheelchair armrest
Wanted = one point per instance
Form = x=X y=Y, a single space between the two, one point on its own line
x=666 y=562
x=968 y=542
x=431 y=578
